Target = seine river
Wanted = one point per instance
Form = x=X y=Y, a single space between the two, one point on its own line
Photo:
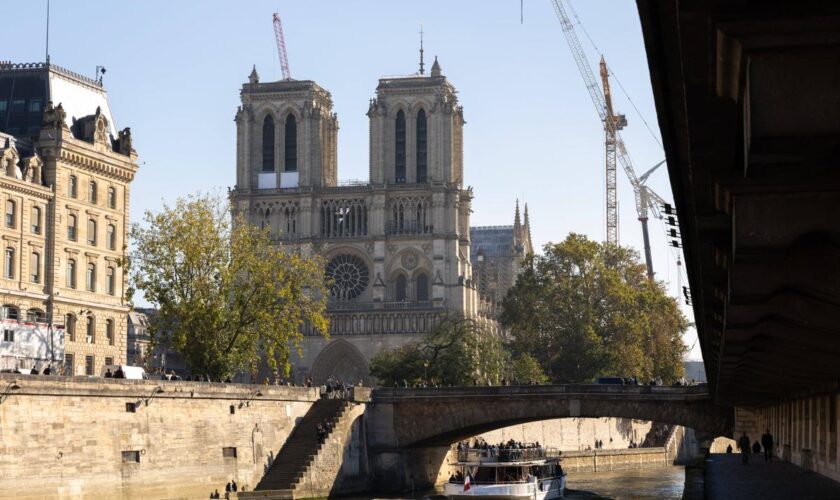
x=664 y=483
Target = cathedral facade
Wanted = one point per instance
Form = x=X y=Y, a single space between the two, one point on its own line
x=396 y=248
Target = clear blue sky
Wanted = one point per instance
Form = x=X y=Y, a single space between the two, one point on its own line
x=174 y=70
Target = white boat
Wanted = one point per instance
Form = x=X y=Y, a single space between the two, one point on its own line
x=529 y=473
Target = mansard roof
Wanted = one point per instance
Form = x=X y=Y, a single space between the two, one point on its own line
x=25 y=90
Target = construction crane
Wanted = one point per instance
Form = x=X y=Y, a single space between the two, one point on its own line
x=615 y=150
x=281 y=47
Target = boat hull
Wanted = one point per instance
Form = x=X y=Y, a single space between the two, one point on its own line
x=548 y=489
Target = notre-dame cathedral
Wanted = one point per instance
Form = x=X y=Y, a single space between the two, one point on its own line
x=398 y=248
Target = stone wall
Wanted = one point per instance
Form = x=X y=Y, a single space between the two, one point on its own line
x=577 y=434
x=64 y=437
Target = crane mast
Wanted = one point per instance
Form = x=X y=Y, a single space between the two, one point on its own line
x=615 y=150
x=281 y=47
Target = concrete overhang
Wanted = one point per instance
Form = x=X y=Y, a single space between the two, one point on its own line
x=748 y=105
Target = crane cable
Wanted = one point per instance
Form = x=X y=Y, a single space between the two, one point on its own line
x=615 y=76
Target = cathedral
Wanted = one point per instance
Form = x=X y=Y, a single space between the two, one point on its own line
x=397 y=249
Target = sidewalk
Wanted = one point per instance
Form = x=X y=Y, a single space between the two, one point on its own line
x=727 y=478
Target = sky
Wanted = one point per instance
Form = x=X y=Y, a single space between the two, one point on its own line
x=174 y=70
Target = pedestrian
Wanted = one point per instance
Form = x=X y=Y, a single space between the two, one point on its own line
x=744 y=446
x=233 y=485
x=767 y=443
x=119 y=373
x=729 y=449
x=756 y=448
x=108 y=373
x=34 y=371
x=46 y=371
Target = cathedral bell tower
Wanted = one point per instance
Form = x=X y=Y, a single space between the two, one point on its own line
x=286 y=135
x=416 y=130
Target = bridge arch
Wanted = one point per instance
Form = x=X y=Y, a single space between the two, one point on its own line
x=437 y=417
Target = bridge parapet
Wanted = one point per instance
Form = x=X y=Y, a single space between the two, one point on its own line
x=580 y=391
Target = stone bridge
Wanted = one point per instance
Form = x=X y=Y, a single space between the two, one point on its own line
x=410 y=430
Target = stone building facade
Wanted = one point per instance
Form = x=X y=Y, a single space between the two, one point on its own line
x=64 y=185
x=397 y=248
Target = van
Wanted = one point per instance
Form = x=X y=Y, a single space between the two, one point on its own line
x=131 y=372
x=610 y=381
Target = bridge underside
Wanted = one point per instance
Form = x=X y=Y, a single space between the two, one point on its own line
x=748 y=104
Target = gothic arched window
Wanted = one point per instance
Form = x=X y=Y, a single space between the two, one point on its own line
x=291 y=144
x=422 y=283
x=399 y=147
x=268 y=144
x=421 y=146
x=400 y=288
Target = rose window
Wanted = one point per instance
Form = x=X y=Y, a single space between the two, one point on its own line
x=349 y=275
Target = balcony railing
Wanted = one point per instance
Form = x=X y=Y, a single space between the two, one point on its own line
x=408 y=227
x=496 y=454
x=339 y=305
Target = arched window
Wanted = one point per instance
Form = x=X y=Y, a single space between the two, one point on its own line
x=91 y=330
x=91 y=232
x=91 y=277
x=268 y=144
x=11 y=210
x=9 y=263
x=112 y=284
x=422 y=283
x=36 y=316
x=399 y=147
x=291 y=144
x=10 y=312
x=71 y=273
x=72 y=187
x=109 y=331
x=35 y=267
x=112 y=197
x=36 y=219
x=71 y=227
x=400 y=288
x=70 y=327
x=92 y=191
x=111 y=237
x=421 y=146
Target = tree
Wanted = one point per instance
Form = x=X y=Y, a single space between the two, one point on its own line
x=526 y=369
x=458 y=351
x=226 y=296
x=585 y=309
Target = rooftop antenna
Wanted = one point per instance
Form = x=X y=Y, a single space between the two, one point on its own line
x=421 y=48
x=48 y=32
x=521 y=11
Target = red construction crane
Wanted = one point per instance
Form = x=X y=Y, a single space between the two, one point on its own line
x=281 y=47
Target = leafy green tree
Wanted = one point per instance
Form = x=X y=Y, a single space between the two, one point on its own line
x=525 y=369
x=226 y=296
x=457 y=351
x=585 y=309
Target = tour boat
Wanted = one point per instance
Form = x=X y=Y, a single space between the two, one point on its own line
x=507 y=473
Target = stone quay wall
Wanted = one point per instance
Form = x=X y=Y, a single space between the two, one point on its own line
x=63 y=437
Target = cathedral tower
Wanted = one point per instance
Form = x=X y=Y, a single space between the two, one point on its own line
x=286 y=135
x=416 y=131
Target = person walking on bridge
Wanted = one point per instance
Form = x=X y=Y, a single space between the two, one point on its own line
x=744 y=446
x=767 y=443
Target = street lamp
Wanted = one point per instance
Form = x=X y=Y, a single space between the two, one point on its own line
x=425 y=366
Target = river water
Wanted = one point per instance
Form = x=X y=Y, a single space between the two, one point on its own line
x=664 y=483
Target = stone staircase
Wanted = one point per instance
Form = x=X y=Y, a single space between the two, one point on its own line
x=300 y=449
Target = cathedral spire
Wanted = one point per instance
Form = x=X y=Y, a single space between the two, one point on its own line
x=421 y=48
x=517 y=222
x=527 y=231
